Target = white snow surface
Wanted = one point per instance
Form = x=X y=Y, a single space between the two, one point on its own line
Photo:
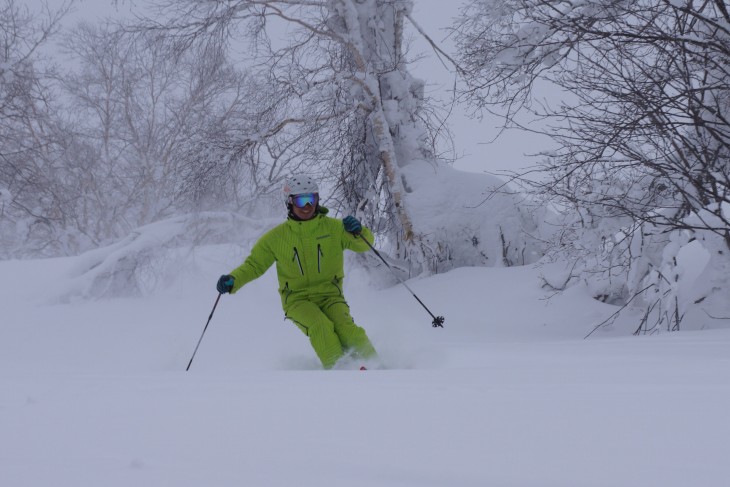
x=508 y=393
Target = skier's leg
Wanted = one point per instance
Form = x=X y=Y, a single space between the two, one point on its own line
x=352 y=337
x=320 y=330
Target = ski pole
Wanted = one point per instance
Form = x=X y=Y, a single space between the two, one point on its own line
x=201 y=335
x=438 y=321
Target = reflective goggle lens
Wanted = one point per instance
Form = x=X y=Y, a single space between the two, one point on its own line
x=302 y=200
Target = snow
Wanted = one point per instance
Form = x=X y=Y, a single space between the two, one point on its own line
x=508 y=393
x=472 y=213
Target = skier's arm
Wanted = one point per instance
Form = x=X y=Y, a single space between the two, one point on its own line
x=258 y=262
x=356 y=242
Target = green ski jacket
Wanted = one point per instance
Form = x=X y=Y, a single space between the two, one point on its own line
x=309 y=258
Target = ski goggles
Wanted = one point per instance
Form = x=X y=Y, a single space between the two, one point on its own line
x=302 y=200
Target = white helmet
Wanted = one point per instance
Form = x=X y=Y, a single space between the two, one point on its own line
x=300 y=184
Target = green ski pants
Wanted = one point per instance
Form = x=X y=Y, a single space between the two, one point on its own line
x=331 y=330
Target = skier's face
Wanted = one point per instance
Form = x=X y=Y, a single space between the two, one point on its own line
x=304 y=208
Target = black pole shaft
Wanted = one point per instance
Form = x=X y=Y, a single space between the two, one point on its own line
x=201 y=335
x=438 y=321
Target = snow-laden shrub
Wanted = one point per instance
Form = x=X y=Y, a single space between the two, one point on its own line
x=673 y=279
x=471 y=219
x=705 y=300
x=151 y=254
x=678 y=279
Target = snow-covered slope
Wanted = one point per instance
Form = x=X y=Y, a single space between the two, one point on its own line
x=507 y=394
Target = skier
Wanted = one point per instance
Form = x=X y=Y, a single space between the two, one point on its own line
x=308 y=250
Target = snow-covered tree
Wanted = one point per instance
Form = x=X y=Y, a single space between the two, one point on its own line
x=152 y=120
x=134 y=109
x=642 y=128
x=28 y=136
x=336 y=100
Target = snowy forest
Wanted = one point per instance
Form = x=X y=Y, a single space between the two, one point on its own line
x=188 y=116
x=551 y=177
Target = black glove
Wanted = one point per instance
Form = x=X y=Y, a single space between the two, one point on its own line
x=352 y=225
x=225 y=284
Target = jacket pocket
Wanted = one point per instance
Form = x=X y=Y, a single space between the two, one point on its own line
x=298 y=261
x=319 y=258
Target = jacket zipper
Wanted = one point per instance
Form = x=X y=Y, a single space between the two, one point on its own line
x=319 y=258
x=299 y=263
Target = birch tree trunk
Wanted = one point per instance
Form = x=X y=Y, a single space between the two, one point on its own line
x=393 y=98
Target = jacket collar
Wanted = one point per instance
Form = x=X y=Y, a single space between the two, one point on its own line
x=299 y=225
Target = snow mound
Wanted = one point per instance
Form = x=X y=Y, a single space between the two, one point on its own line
x=153 y=253
x=475 y=216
